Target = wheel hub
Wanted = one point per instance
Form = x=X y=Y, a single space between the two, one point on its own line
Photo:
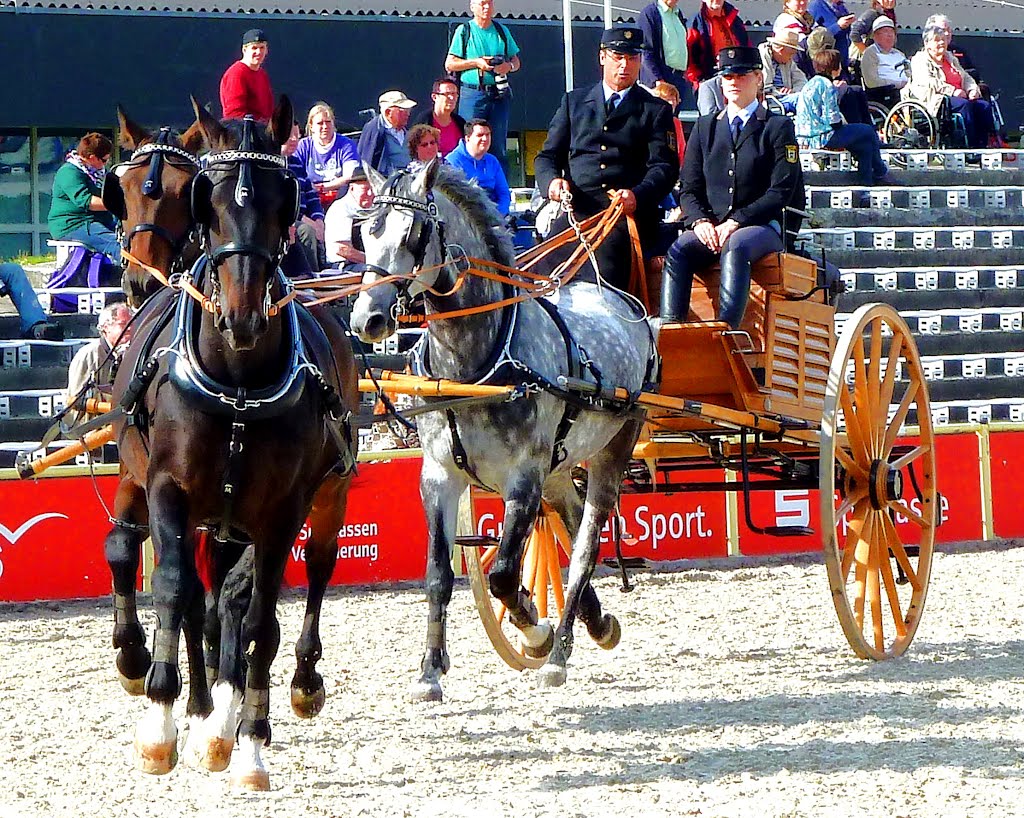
x=885 y=484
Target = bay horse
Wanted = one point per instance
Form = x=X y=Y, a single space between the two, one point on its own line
x=237 y=406
x=149 y=194
x=427 y=223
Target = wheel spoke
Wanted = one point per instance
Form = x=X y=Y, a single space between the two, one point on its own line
x=502 y=610
x=545 y=542
x=896 y=546
x=913 y=516
x=530 y=559
x=909 y=457
x=853 y=536
x=858 y=447
x=898 y=419
x=889 y=381
x=862 y=398
x=846 y=460
x=890 y=587
x=862 y=557
x=874 y=596
x=557 y=589
x=848 y=503
x=487 y=558
x=873 y=384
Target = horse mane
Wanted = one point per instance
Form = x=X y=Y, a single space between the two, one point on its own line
x=480 y=211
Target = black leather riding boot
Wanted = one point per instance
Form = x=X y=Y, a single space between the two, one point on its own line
x=734 y=288
x=676 y=284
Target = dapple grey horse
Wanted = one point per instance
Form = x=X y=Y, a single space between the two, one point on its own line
x=426 y=224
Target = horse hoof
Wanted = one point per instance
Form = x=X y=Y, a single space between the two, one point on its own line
x=251 y=780
x=421 y=691
x=156 y=759
x=542 y=650
x=612 y=634
x=307 y=705
x=133 y=687
x=212 y=755
x=551 y=676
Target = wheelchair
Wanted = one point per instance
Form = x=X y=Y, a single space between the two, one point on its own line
x=909 y=124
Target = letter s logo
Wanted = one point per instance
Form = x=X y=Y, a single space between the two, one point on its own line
x=792 y=508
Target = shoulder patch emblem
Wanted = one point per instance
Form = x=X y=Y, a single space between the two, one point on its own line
x=792 y=154
x=670 y=137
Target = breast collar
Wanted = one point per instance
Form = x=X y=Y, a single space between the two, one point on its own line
x=205 y=393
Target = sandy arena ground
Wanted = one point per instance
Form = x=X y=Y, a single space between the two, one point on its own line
x=733 y=693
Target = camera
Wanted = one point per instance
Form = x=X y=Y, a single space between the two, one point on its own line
x=500 y=80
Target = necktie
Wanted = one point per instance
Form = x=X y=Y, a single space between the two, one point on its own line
x=613 y=101
x=737 y=126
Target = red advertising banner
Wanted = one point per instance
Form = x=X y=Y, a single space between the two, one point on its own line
x=959 y=481
x=384 y=538
x=1007 y=454
x=654 y=526
x=51 y=538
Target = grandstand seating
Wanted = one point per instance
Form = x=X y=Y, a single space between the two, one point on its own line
x=944 y=244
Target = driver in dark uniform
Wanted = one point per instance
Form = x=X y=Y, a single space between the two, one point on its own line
x=741 y=170
x=613 y=137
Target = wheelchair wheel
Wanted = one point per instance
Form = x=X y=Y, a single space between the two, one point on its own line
x=774 y=105
x=910 y=125
x=879 y=113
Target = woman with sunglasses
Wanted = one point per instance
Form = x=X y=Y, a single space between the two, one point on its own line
x=76 y=209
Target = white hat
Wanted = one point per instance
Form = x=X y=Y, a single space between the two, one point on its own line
x=881 y=21
x=787 y=38
x=394 y=99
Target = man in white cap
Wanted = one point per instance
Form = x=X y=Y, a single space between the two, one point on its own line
x=782 y=76
x=883 y=67
x=382 y=144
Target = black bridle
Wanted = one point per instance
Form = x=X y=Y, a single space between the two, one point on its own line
x=158 y=152
x=246 y=159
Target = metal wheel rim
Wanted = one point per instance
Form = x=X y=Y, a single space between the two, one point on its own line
x=860 y=566
x=903 y=115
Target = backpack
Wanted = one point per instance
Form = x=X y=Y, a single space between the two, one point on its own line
x=464 y=39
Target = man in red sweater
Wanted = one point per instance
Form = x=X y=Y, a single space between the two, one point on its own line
x=245 y=86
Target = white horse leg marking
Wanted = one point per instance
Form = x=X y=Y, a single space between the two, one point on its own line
x=156 y=740
x=211 y=740
x=247 y=769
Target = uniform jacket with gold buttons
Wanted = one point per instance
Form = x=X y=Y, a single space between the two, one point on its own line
x=751 y=181
x=632 y=148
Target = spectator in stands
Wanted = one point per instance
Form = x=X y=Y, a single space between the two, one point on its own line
x=245 y=86
x=15 y=283
x=966 y=63
x=715 y=26
x=77 y=212
x=94 y=366
x=795 y=18
x=442 y=116
x=341 y=225
x=472 y=158
x=710 y=99
x=837 y=19
x=936 y=75
x=862 y=31
x=308 y=231
x=782 y=76
x=673 y=97
x=884 y=68
x=741 y=170
x=423 y=144
x=667 y=56
x=382 y=144
x=820 y=126
x=483 y=53
x=328 y=157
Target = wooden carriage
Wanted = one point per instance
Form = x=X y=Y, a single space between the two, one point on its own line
x=782 y=403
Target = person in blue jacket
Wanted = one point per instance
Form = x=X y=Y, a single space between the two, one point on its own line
x=472 y=158
x=834 y=16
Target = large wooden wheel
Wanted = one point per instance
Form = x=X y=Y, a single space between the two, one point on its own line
x=878 y=572
x=541 y=577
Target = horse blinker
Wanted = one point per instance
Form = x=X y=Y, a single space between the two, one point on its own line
x=112 y=195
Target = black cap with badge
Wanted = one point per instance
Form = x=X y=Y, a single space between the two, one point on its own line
x=740 y=59
x=623 y=40
x=254 y=35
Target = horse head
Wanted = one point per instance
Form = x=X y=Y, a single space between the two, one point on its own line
x=149 y=193
x=397 y=240
x=244 y=200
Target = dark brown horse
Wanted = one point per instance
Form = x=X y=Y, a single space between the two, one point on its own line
x=237 y=412
x=149 y=194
